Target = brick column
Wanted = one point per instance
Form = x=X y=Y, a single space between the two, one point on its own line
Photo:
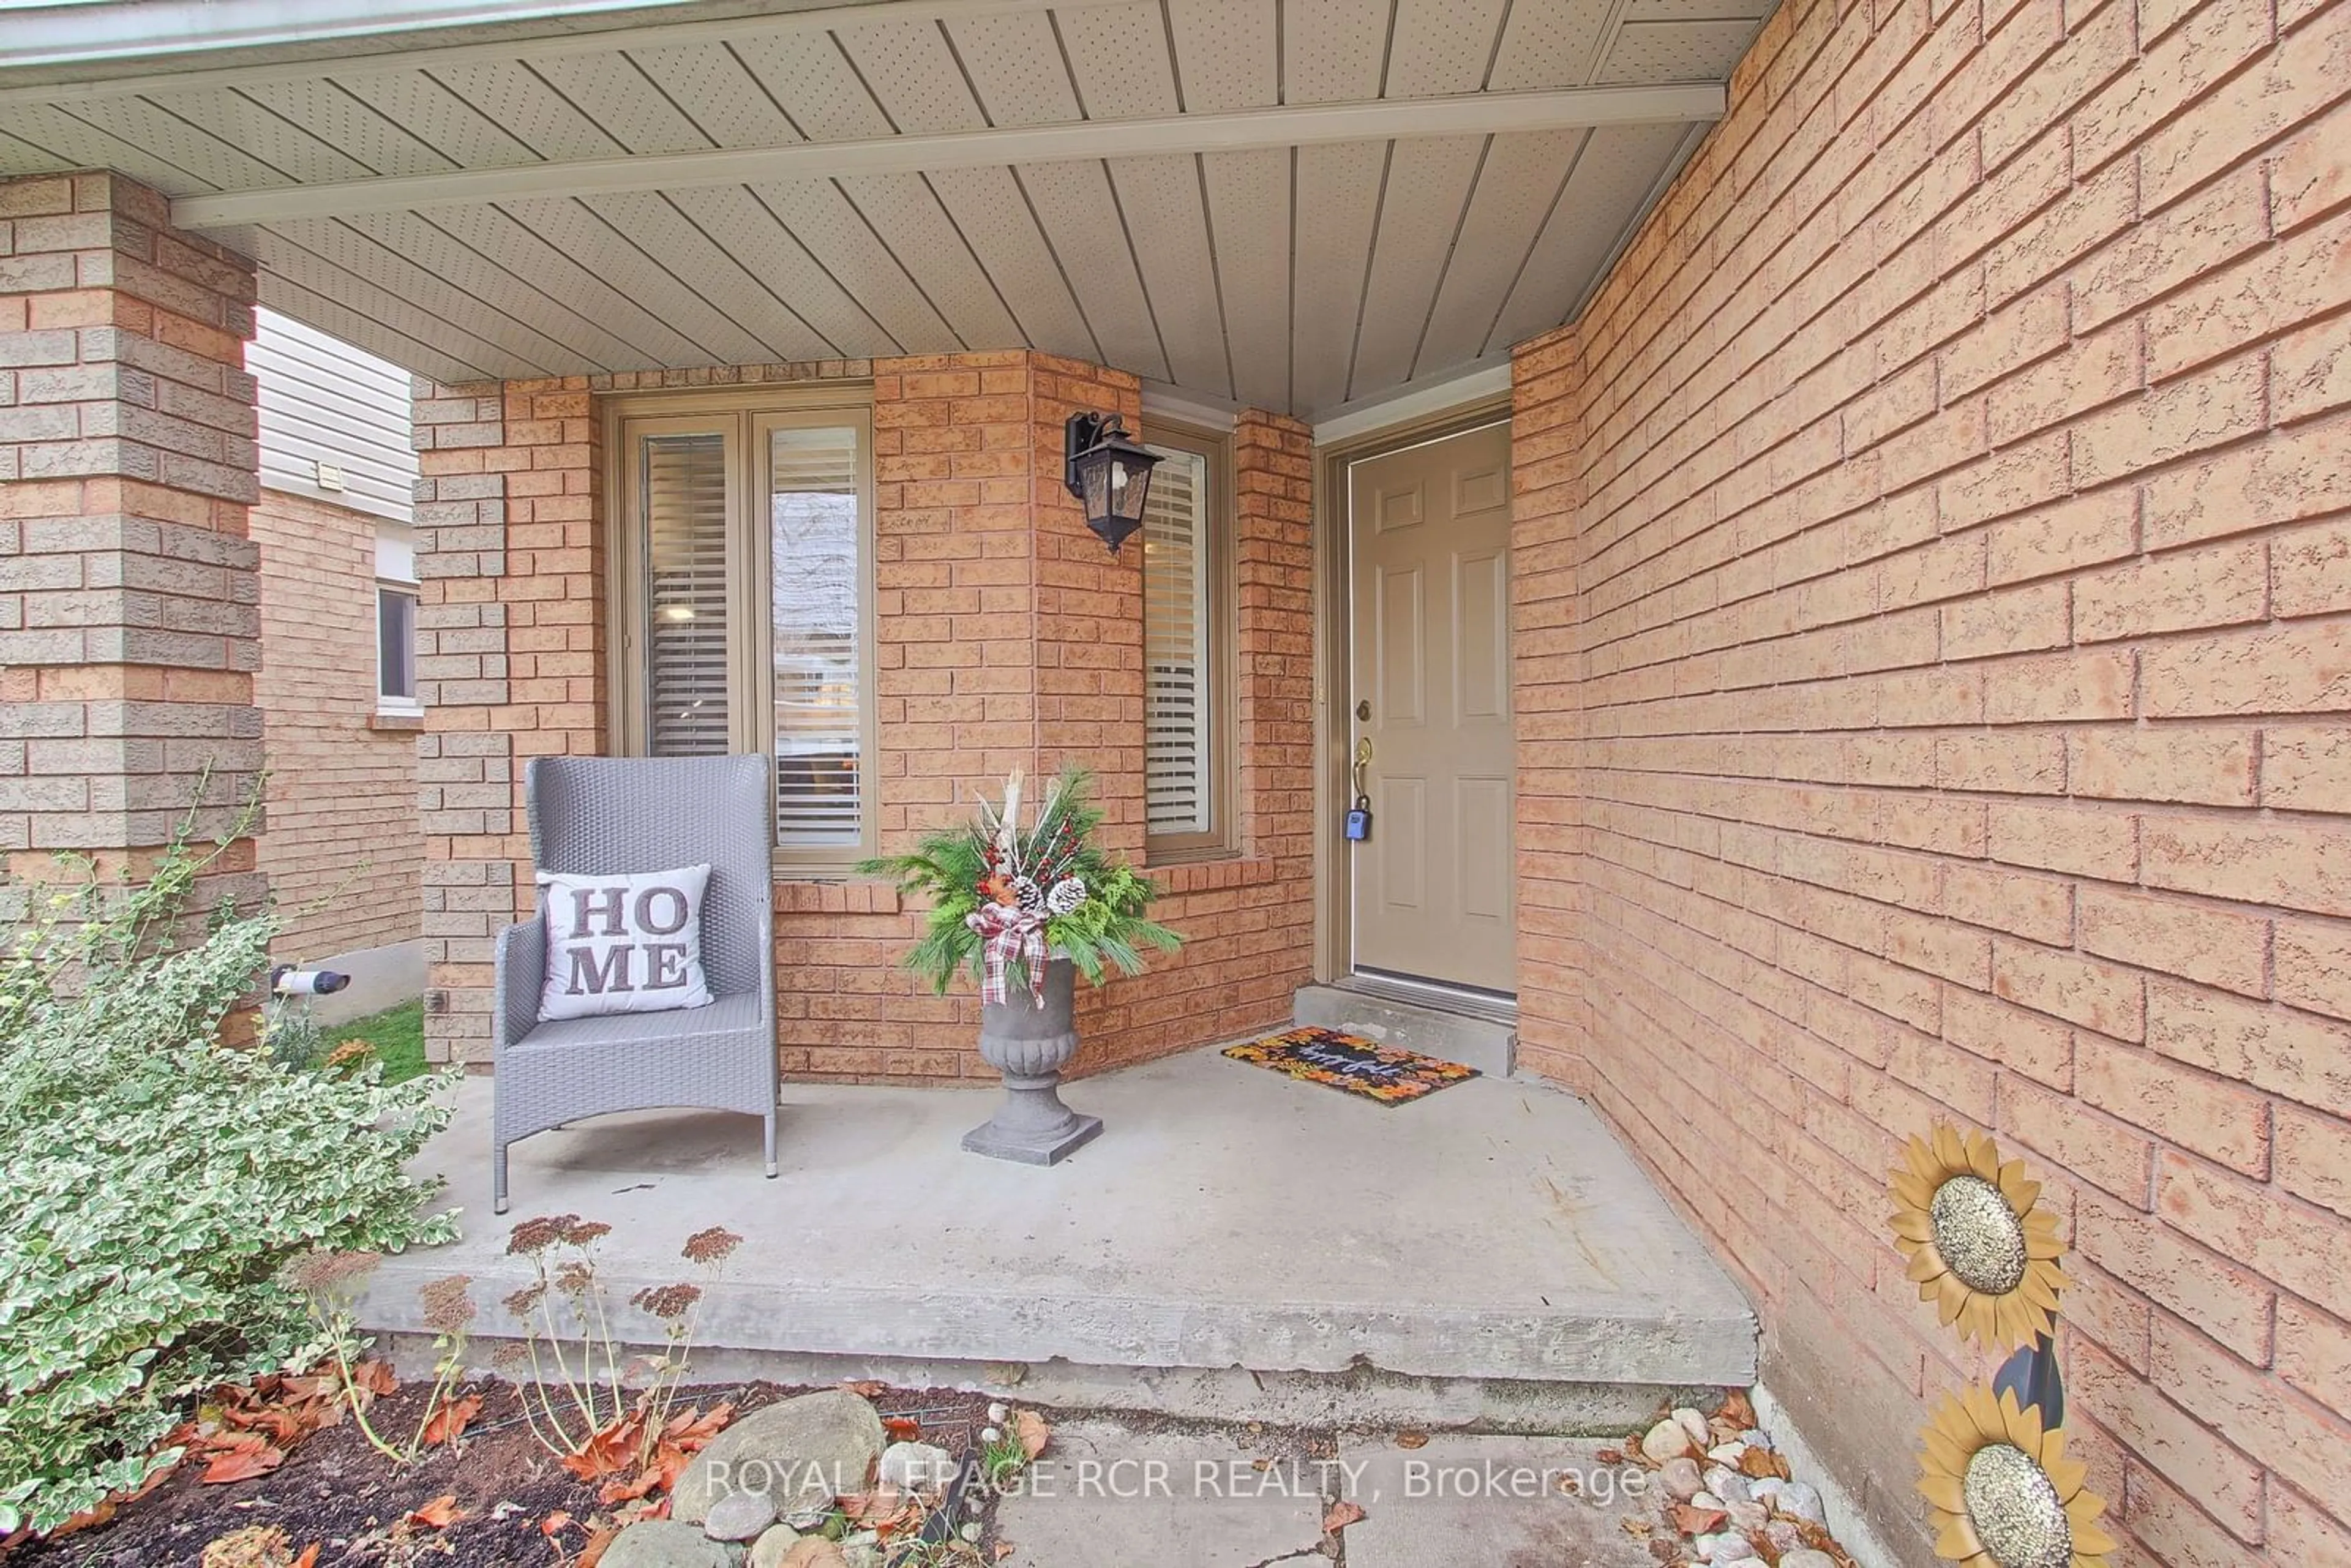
x=129 y=627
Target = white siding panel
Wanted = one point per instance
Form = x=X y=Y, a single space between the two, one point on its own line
x=1120 y=56
x=1442 y=47
x=1515 y=188
x=1333 y=51
x=1015 y=61
x=1428 y=186
x=1161 y=200
x=1248 y=209
x=1550 y=43
x=323 y=401
x=989 y=207
x=281 y=293
x=1338 y=207
x=1227 y=54
x=1082 y=222
x=1618 y=167
x=731 y=216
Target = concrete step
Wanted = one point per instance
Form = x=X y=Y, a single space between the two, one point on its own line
x=1487 y=1044
x=1236 y=1244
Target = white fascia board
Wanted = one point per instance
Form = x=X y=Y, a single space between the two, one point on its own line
x=1467 y=114
x=350 y=37
x=1410 y=403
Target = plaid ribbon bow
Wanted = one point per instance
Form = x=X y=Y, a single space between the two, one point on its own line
x=1007 y=932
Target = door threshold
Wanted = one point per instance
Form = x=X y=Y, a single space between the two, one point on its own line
x=1494 y=1007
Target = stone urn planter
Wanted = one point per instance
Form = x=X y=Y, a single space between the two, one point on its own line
x=1024 y=904
x=1030 y=1045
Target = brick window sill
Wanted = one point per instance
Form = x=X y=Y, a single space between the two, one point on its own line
x=410 y=723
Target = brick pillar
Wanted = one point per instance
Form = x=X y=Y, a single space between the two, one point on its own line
x=129 y=627
x=1274 y=688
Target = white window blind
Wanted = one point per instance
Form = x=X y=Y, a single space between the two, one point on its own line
x=814 y=535
x=686 y=531
x=1176 y=612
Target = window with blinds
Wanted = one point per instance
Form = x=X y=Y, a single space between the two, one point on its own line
x=747 y=558
x=1184 y=647
x=687 y=531
x=815 y=552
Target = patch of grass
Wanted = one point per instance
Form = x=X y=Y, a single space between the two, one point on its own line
x=397 y=1034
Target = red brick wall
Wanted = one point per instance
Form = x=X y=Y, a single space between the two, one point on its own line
x=1004 y=636
x=1933 y=568
x=341 y=848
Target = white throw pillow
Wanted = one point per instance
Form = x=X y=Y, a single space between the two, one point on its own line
x=624 y=943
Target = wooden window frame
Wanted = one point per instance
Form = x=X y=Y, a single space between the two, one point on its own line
x=750 y=634
x=1223 y=839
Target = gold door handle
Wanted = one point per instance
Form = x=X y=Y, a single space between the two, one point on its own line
x=1363 y=763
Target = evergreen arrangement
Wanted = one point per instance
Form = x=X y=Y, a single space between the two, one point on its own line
x=1001 y=887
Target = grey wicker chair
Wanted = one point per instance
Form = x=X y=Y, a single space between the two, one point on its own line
x=610 y=814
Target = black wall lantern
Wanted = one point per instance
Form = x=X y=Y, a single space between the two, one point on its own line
x=1109 y=472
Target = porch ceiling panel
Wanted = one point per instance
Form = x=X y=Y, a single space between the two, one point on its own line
x=1289 y=204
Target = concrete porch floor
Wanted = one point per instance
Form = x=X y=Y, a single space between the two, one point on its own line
x=1236 y=1244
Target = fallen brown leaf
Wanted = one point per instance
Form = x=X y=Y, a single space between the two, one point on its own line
x=555 y=1523
x=1029 y=1431
x=1737 y=1411
x=439 y=1514
x=1757 y=1463
x=1412 y=1440
x=593 y=1551
x=867 y=1389
x=310 y=1558
x=901 y=1428
x=1339 y=1515
x=1609 y=1457
x=240 y=1460
x=449 y=1422
x=1694 y=1521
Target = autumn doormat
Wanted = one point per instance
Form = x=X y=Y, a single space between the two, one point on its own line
x=1351 y=1063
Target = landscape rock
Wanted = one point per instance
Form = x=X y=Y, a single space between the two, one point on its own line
x=802 y=1452
x=918 y=1468
x=1679 y=1477
x=739 y=1515
x=768 y=1551
x=1700 y=1435
x=1725 y=1546
x=1728 y=1453
x=1727 y=1484
x=1783 y=1537
x=1668 y=1439
x=1749 y=1518
x=1801 y=1500
x=664 y=1544
x=1805 y=1557
x=1755 y=1437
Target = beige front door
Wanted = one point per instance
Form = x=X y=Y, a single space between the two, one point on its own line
x=1429 y=632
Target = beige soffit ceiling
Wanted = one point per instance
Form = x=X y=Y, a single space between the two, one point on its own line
x=1297 y=204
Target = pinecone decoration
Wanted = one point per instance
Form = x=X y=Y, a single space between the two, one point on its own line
x=1027 y=894
x=1067 y=894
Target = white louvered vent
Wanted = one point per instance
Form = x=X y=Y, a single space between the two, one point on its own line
x=684 y=508
x=1176 y=623
x=812 y=520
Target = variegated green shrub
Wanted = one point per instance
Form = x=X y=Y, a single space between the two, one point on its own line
x=157 y=1181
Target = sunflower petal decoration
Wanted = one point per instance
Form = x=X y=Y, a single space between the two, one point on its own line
x=1979 y=1249
x=2004 y=1493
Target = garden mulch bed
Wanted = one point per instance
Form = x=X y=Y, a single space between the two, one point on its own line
x=336 y=1492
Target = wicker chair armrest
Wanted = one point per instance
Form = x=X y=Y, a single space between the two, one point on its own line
x=521 y=979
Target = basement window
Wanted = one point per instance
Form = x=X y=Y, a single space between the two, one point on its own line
x=396 y=622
